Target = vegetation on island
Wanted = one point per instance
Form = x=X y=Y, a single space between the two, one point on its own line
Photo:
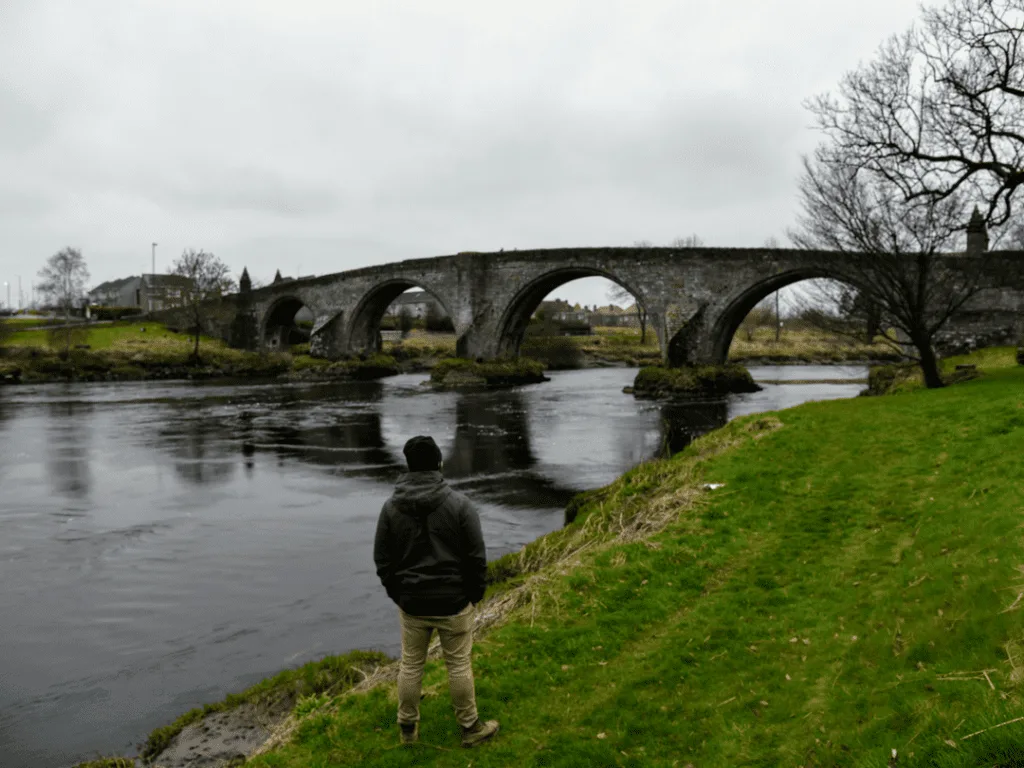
x=692 y=381
x=458 y=373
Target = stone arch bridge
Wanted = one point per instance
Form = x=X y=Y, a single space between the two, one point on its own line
x=695 y=298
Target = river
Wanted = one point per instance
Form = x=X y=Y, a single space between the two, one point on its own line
x=164 y=544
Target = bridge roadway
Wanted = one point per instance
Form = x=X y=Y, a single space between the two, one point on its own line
x=696 y=298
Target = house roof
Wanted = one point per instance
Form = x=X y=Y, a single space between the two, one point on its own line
x=113 y=285
x=166 y=281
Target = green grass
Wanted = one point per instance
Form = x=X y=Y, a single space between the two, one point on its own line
x=853 y=588
x=109 y=335
x=140 y=350
x=901 y=378
x=20 y=323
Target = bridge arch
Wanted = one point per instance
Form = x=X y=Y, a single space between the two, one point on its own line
x=516 y=316
x=278 y=329
x=364 y=325
x=723 y=327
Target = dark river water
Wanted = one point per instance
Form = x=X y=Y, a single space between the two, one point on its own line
x=164 y=544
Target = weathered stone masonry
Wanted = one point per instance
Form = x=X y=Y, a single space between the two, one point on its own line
x=695 y=297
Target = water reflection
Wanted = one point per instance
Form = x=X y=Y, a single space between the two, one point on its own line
x=493 y=438
x=201 y=456
x=67 y=448
x=355 y=442
x=682 y=422
x=491 y=435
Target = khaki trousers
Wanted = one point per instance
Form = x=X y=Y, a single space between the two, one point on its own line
x=456 y=633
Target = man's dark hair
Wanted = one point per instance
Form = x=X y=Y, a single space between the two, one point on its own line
x=422 y=454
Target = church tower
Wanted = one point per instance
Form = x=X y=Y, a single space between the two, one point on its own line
x=977 y=234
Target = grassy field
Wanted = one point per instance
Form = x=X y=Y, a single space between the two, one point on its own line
x=128 y=351
x=623 y=345
x=110 y=335
x=804 y=344
x=856 y=586
x=20 y=323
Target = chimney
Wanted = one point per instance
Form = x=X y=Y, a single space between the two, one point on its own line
x=977 y=234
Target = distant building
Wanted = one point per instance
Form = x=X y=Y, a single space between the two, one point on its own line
x=150 y=292
x=615 y=317
x=416 y=302
x=156 y=292
x=116 y=293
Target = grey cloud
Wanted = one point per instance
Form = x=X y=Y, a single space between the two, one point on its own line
x=248 y=188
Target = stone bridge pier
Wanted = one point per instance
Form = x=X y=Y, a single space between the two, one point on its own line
x=695 y=298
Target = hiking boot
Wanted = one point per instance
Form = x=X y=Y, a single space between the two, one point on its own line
x=410 y=732
x=478 y=733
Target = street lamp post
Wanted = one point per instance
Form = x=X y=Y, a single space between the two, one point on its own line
x=149 y=299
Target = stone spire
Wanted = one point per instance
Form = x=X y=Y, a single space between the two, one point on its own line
x=244 y=284
x=977 y=234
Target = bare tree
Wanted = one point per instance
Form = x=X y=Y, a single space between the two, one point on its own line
x=839 y=309
x=690 y=241
x=1009 y=238
x=888 y=248
x=940 y=112
x=206 y=280
x=63 y=283
x=405 y=321
x=759 y=317
x=620 y=296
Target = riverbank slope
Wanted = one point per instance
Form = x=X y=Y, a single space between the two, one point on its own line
x=851 y=586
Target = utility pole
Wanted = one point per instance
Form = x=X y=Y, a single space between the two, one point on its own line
x=19 y=292
x=149 y=300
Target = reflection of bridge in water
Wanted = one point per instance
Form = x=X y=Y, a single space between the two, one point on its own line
x=491 y=455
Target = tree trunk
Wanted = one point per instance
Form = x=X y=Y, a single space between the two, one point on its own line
x=778 y=320
x=195 y=351
x=874 y=322
x=642 y=316
x=929 y=364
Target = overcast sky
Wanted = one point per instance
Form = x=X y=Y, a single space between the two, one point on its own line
x=316 y=137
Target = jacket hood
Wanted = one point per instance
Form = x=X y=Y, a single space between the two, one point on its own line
x=420 y=493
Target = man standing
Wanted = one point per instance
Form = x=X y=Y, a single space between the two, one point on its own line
x=430 y=557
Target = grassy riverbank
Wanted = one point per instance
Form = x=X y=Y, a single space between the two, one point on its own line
x=852 y=588
x=140 y=350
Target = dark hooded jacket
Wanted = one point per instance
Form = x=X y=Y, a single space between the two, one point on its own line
x=429 y=549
